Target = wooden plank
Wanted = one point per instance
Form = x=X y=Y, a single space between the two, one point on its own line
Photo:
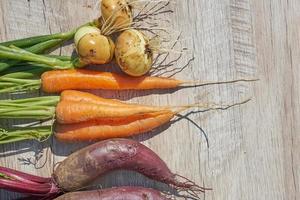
x=253 y=149
x=275 y=140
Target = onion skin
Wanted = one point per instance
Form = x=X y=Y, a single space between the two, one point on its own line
x=133 y=54
x=83 y=31
x=94 y=48
x=119 y=10
x=121 y=193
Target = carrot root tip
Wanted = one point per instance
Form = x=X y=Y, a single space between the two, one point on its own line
x=206 y=83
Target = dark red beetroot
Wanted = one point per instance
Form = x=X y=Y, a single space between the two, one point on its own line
x=121 y=193
x=84 y=166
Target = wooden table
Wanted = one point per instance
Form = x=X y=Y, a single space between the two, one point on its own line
x=253 y=149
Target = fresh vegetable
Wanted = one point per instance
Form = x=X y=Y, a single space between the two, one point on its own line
x=120 y=193
x=58 y=81
x=104 y=128
x=81 y=168
x=85 y=165
x=112 y=10
x=87 y=79
x=93 y=47
x=133 y=53
x=68 y=112
x=72 y=95
x=100 y=130
x=72 y=111
x=117 y=13
x=82 y=116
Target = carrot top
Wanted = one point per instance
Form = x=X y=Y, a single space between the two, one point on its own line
x=39 y=108
x=39 y=133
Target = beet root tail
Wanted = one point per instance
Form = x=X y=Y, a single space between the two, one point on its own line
x=183 y=184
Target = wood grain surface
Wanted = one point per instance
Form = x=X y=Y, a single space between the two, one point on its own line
x=254 y=149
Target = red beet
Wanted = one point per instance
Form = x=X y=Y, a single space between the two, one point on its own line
x=84 y=166
x=121 y=193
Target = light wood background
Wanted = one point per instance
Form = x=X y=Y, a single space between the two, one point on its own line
x=253 y=149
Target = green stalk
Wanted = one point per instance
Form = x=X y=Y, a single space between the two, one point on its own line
x=40 y=133
x=25 y=112
x=44 y=46
x=39 y=44
x=14 y=85
x=36 y=101
x=26 y=71
x=20 y=79
x=63 y=58
x=32 y=67
x=30 y=41
x=15 y=80
x=37 y=112
x=13 y=88
x=23 y=55
x=4 y=85
x=37 y=49
x=39 y=108
x=26 y=42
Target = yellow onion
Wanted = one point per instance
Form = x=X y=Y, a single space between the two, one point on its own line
x=93 y=47
x=133 y=53
x=118 y=12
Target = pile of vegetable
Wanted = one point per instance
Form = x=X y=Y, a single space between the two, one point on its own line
x=81 y=116
x=84 y=166
x=75 y=116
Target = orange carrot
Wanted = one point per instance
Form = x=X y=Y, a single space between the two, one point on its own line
x=88 y=131
x=60 y=80
x=68 y=112
x=73 y=95
x=114 y=121
x=84 y=97
x=100 y=128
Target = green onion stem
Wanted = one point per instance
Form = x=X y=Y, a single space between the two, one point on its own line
x=26 y=42
x=27 y=70
x=37 y=49
x=23 y=55
x=44 y=46
x=30 y=41
x=63 y=58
